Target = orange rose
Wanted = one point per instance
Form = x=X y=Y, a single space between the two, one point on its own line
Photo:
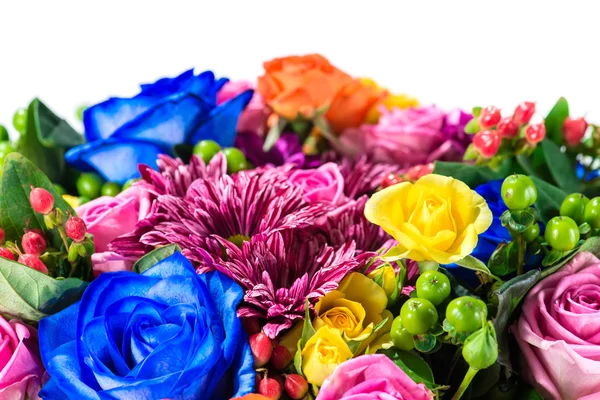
x=350 y=106
x=300 y=84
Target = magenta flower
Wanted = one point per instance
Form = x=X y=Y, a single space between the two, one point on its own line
x=361 y=176
x=280 y=271
x=287 y=150
x=320 y=185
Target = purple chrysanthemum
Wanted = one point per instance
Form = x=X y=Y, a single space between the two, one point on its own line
x=280 y=271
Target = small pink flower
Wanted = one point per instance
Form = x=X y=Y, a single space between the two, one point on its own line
x=254 y=117
x=373 y=377
x=320 y=185
x=21 y=369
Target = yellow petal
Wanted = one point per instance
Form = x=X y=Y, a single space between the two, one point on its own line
x=386 y=209
x=323 y=352
x=362 y=290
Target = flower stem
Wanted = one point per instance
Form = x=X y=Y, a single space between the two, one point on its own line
x=63 y=236
x=520 y=253
x=465 y=383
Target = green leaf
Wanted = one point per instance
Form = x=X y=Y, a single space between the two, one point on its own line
x=458 y=289
x=472 y=127
x=549 y=199
x=308 y=330
x=510 y=295
x=51 y=130
x=152 y=258
x=591 y=245
x=425 y=343
x=552 y=257
x=518 y=220
x=274 y=134
x=560 y=167
x=402 y=360
x=298 y=358
x=472 y=175
x=15 y=210
x=555 y=119
x=476 y=111
x=474 y=264
x=504 y=259
x=31 y=295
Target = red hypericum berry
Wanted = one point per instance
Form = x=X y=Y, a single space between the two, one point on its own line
x=251 y=325
x=419 y=171
x=487 y=143
x=489 y=116
x=33 y=261
x=270 y=388
x=524 y=112
x=41 y=200
x=1 y=235
x=390 y=180
x=76 y=228
x=507 y=128
x=296 y=386
x=6 y=253
x=573 y=130
x=281 y=357
x=33 y=243
x=262 y=349
x=535 y=133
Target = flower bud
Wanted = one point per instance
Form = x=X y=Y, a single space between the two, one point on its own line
x=270 y=388
x=33 y=243
x=32 y=261
x=262 y=349
x=481 y=348
x=296 y=386
x=6 y=253
x=281 y=357
x=41 y=200
x=76 y=228
x=385 y=277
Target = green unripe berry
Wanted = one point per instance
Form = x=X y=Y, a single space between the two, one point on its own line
x=592 y=213
x=401 y=338
x=4 y=137
x=89 y=185
x=518 y=192
x=20 y=120
x=206 y=150
x=236 y=160
x=531 y=233
x=573 y=206
x=110 y=189
x=562 y=233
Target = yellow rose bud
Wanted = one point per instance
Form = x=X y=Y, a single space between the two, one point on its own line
x=390 y=102
x=71 y=200
x=322 y=354
x=437 y=218
x=386 y=278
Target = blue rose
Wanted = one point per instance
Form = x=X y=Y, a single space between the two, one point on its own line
x=167 y=333
x=122 y=133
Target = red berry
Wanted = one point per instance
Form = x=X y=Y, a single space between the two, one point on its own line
x=296 y=386
x=33 y=243
x=507 y=128
x=390 y=180
x=487 y=143
x=251 y=325
x=573 y=130
x=524 y=112
x=1 y=235
x=41 y=200
x=6 y=253
x=270 y=388
x=535 y=133
x=281 y=357
x=32 y=261
x=489 y=116
x=262 y=349
x=76 y=228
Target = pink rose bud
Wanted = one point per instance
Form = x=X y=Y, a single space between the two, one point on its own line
x=41 y=200
x=573 y=130
x=262 y=349
x=76 y=228
x=32 y=261
x=6 y=253
x=270 y=388
x=281 y=357
x=296 y=386
x=524 y=112
x=33 y=243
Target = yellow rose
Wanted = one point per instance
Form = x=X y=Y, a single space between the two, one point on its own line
x=322 y=354
x=71 y=200
x=387 y=278
x=437 y=218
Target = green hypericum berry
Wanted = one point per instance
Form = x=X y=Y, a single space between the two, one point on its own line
x=480 y=350
x=236 y=160
x=59 y=189
x=518 y=192
x=89 y=185
x=418 y=315
x=4 y=134
x=562 y=233
x=110 y=189
x=401 y=338
x=531 y=233
x=466 y=314
x=20 y=120
x=130 y=182
x=206 y=150
x=5 y=149
x=573 y=206
x=433 y=286
x=592 y=213
x=83 y=200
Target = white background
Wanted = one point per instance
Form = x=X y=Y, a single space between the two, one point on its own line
x=452 y=53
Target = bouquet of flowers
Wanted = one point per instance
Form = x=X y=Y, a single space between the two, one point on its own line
x=311 y=235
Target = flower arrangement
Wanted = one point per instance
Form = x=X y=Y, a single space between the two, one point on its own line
x=308 y=236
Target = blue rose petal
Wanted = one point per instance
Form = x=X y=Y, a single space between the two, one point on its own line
x=166 y=86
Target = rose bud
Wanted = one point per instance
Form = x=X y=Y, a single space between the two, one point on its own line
x=574 y=130
x=281 y=357
x=296 y=386
x=270 y=388
x=480 y=350
x=6 y=253
x=76 y=228
x=32 y=261
x=41 y=200
x=262 y=349
x=33 y=243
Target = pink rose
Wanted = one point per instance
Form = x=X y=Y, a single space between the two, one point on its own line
x=559 y=332
x=371 y=377
x=321 y=185
x=406 y=137
x=254 y=117
x=21 y=369
x=110 y=217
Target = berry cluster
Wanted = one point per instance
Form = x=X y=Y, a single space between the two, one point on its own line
x=271 y=361
x=411 y=175
x=236 y=160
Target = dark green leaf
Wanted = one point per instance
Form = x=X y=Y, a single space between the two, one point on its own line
x=555 y=119
x=402 y=360
x=560 y=167
x=425 y=343
x=472 y=175
x=504 y=259
x=152 y=258
x=552 y=257
x=591 y=245
x=15 y=211
x=520 y=220
x=529 y=393
x=549 y=199
x=510 y=295
x=458 y=288
x=474 y=264
x=31 y=295
x=51 y=130
x=485 y=380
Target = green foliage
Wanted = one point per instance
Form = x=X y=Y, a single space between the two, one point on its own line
x=152 y=258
